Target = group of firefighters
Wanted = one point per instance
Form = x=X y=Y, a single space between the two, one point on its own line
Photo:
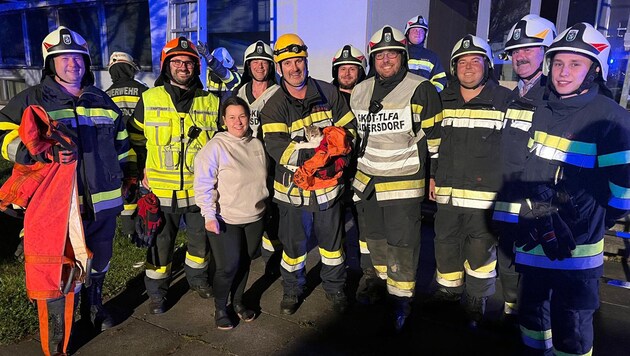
x=528 y=178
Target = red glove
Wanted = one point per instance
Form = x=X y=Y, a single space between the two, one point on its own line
x=130 y=190
x=149 y=220
x=330 y=170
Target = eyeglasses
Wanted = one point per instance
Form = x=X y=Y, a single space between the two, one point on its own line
x=390 y=55
x=178 y=64
x=291 y=48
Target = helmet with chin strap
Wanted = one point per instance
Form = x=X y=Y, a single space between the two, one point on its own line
x=65 y=41
x=349 y=55
x=584 y=39
x=471 y=44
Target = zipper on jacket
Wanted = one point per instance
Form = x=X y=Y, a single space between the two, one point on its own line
x=87 y=196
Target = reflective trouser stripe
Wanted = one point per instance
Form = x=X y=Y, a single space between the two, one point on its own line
x=453 y=279
x=195 y=262
x=271 y=245
x=363 y=247
x=540 y=340
x=331 y=258
x=293 y=264
x=400 y=289
x=157 y=272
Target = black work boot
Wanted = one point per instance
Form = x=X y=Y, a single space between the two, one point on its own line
x=92 y=308
x=401 y=309
x=371 y=288
x=204 y=291
x=56 y=325
x=339 y=301
x=444 y=295
x=289 y=304
x=157 y=305
x=475 y=308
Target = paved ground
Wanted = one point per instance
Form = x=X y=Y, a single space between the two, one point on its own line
x=188 y=326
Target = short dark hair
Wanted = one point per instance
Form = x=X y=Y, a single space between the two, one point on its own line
x=235 y=100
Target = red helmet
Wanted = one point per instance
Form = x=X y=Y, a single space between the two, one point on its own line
x=180 y=47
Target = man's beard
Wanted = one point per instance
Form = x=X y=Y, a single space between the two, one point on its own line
x=347 y=86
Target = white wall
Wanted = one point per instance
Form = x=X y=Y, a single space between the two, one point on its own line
x=327 y=25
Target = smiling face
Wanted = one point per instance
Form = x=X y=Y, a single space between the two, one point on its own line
x=182 y=68
x=387 y=63
x=259 y=68
x=416 y=35
x=526 y=61
x=470 y=68
x=568 y=71
x=347 y=76
x=236 y=120
x=293 y=71
x=69 y=68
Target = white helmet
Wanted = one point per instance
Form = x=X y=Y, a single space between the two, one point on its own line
x=584 y=39
x=122 y=58
x=258 y=50
x=223 y=56
x=387 y=38
x=531 y=30
x=349 y=55
x=64 y=40
x=416 y=21
x=471 y=44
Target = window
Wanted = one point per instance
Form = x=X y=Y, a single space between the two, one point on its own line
x=128 y=30
x=107 y=26
x=503 y=15
x=237 y=24
x=12 y=40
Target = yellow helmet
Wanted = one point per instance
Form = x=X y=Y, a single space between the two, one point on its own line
x=287 y=46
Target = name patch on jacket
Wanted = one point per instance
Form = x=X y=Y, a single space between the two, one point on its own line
x=123 y=91
x=384 y=122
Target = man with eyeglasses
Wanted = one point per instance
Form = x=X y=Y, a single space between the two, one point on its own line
x=299 y=102
x=398 y=115
x=468 y=178
x=177 y=118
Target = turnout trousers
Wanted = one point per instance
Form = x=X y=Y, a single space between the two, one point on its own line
x=556 y=313
x=160 y=255
x=327 y=228
x=465 y=246
x=392 y=234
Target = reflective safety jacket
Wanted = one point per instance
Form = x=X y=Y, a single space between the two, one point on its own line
x=283 y=120
x=171 y=146
x=425 y=63
x=469 y=165
x=102 y=140
x=395 y=141
x=125 y=93
x=256 y=104
x=580 y=150
x=514 y=139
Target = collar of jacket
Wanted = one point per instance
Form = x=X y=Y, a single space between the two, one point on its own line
x=313 y=93
x=569 y=105
x=53 y=91
x=485 y=97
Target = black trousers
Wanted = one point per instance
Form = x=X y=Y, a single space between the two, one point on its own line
x=327 y=228
x=233 y=250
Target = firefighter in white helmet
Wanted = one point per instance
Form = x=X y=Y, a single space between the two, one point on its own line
x=67 y=93
x=303 y=101
x=577 y=181
x=257 y=86
x=125 y=91
x=398 y=115
x=468 y=178
x=349 y=67
x=423 y=61
x=527 y=42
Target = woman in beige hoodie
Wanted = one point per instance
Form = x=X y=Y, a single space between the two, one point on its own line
x=230 y=188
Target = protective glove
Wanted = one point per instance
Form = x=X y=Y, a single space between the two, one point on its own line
x=129 y=190
x=19 y=251
x=56 y=154
x=541 y=224
x=148 y=221
x=332 y=168
x=204 y=51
